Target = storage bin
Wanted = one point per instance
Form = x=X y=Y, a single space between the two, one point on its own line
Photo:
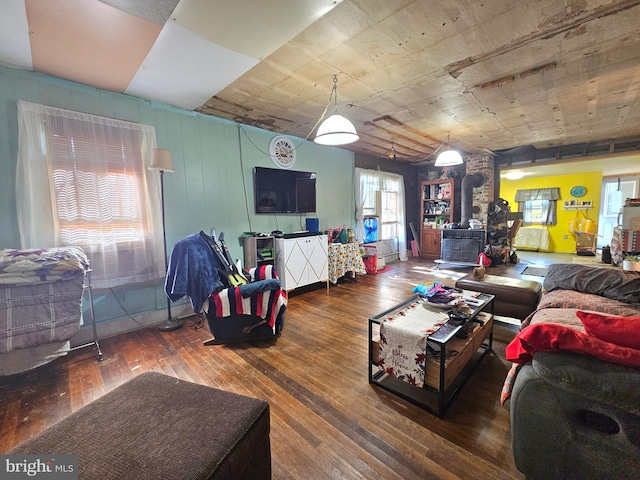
x=370 y=259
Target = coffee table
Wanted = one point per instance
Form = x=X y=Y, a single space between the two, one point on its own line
x=448 y=359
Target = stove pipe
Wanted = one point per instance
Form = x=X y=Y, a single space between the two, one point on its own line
x=469 y=182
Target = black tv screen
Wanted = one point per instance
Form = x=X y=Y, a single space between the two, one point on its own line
x=284 y=191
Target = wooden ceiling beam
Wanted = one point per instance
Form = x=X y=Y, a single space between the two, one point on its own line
x=398 y=123
x=403 y=138
x=383 y=148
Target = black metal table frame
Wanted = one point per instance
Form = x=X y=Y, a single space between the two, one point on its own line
x=442 y=336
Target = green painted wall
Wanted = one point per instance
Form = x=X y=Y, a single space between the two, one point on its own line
x=591 y=180
x=211 y=187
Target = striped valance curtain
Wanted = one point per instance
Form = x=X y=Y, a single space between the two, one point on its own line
x=538 y=194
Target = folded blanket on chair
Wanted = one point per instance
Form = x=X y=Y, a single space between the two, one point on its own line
x=252 y=288
x=268 y=301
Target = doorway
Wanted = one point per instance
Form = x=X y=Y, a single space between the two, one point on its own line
x=614 y=193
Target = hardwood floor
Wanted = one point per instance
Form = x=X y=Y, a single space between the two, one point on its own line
x=327 y=422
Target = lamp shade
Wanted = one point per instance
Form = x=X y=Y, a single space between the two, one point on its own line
x=336 y=130
x=161 y=160
x=447 y=158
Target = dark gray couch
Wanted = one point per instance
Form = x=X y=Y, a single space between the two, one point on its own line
x=574 y=416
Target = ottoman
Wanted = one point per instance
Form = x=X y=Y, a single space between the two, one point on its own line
x=514 y=297
x=156 y=426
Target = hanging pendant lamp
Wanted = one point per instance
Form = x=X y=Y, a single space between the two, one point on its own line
x=336 y=130
x=448 y=157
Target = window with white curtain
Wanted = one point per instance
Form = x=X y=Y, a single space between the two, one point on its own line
x=381 y=193
x=82 y=180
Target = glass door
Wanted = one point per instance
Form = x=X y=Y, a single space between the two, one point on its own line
x=614 y=193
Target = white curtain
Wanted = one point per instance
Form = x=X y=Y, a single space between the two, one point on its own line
x=366 y=185
x=368 y=182
x=82 y=180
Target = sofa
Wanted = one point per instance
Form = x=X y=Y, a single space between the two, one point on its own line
x=575 y=399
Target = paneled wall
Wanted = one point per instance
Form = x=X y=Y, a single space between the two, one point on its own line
x=211 y=187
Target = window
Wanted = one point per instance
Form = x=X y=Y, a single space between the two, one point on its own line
x=388 y=212
x=535 y=211
x=381 y=194
x=384 y=205
x=83 y=181
x=538 y=206
x=96 y=204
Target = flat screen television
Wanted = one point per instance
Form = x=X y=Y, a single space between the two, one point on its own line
x=284 y=191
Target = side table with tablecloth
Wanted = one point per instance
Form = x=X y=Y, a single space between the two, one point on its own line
x=344 y=258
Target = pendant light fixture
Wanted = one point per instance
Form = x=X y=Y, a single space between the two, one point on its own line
x=448 y=157
x=336 y=130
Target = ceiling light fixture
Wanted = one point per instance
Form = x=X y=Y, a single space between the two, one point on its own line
x=514 y=175
x=448 y=157
x=392 y=153
x=336 y=130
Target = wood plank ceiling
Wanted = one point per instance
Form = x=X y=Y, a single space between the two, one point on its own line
x=493 y=75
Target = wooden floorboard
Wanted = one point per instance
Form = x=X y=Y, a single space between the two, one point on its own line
x=327 y=422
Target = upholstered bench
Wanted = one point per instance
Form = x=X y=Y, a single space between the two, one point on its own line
x=514 y=297
x=156 y=426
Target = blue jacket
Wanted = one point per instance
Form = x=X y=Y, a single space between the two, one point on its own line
x=192 y=271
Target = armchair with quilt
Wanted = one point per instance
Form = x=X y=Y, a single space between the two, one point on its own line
x=252 y=311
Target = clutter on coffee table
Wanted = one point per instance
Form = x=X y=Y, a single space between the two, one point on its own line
x=416 y=351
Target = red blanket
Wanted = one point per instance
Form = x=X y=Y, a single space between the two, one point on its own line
x=547 y=337
x=610 y=341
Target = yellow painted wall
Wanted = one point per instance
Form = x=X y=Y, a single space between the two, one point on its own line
x=591 y=180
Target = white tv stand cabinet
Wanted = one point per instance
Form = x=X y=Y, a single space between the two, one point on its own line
x=302 y=261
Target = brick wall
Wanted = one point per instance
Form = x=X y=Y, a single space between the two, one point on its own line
x=482 y=196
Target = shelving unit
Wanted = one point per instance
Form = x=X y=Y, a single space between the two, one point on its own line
x=436 y=209
x=258 y=251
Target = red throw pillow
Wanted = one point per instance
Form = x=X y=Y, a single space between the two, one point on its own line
x=549 y=337
x=623 y=331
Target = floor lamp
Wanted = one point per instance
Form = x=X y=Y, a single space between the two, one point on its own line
x=161 y=161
